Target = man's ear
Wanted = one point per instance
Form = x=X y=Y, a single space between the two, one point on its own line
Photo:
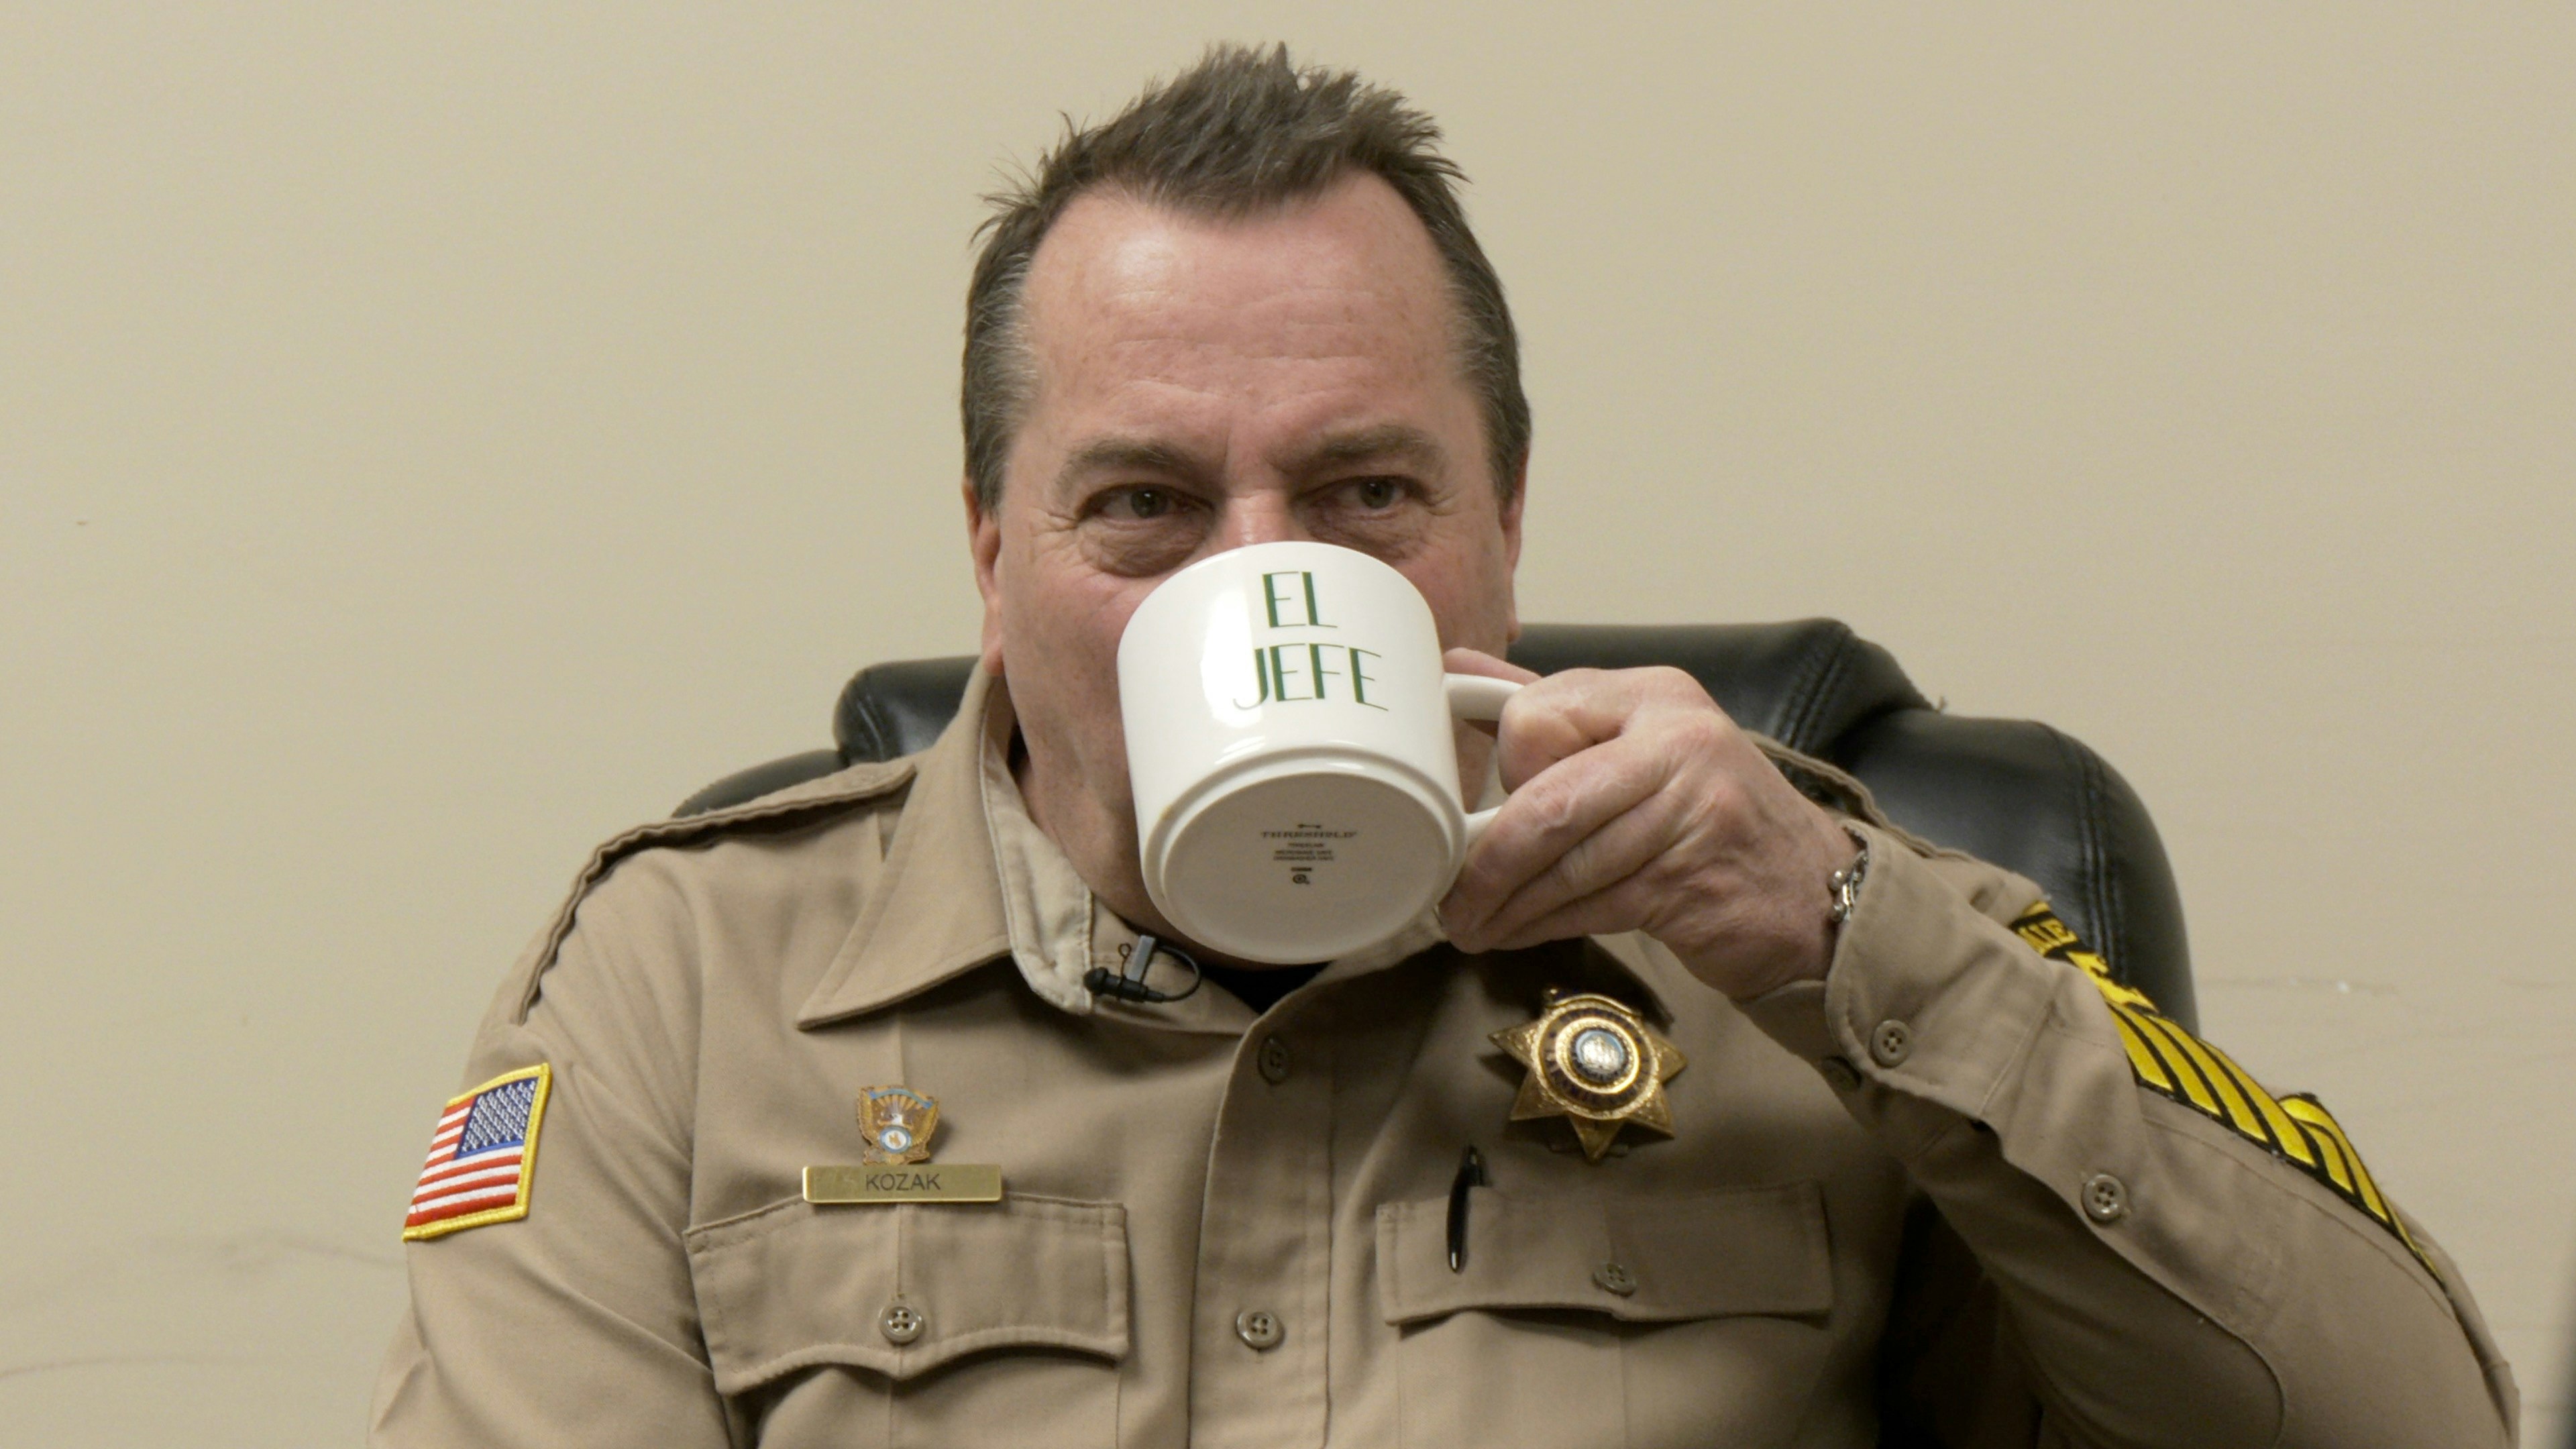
x=984 y=542
x=1511 y=521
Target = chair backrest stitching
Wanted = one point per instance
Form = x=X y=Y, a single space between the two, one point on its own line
x=2115 y=916
x=2088 y=842
x=872 y=713
x=1829 y=697
x=1806 y=696
x=1785 y=729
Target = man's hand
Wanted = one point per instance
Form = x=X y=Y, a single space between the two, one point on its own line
x=1637 y=805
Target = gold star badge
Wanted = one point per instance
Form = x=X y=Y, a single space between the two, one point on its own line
x=1592 y=1061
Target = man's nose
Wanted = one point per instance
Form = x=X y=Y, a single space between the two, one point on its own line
x=1259 y=517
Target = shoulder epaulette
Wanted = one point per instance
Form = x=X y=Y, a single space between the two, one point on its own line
x=816 y=799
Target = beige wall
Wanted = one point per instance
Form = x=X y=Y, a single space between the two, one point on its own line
x=433 y=437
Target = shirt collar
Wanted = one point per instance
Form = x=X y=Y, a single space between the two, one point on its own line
x=937 y=912
x=970 y=878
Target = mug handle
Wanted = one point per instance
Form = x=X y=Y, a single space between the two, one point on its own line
x=1478 y=697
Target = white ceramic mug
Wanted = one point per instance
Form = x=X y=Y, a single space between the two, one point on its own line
x=1291 y=746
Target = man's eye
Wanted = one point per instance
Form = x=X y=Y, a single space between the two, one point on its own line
x=1140 y=503
x=1377 y=494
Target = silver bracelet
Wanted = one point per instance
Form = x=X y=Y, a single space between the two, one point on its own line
x=1845 y=886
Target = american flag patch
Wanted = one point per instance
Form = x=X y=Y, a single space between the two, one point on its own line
x=481 y=1157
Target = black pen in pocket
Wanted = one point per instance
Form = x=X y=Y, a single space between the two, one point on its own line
x=1471 y=1173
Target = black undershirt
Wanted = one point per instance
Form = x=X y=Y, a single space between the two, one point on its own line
x=1261 y=987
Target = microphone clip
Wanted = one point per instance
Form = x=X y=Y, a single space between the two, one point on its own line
x=1129 y=984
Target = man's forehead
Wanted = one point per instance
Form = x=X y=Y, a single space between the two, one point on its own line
x=1115 y=252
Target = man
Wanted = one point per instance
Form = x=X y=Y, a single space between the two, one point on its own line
x=1921 y=1183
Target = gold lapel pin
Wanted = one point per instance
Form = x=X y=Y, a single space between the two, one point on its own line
x=895 y=1165
x=1593 y=1061
x=897 y=1121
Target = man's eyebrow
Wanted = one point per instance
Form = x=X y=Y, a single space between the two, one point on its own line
x=1386 y=442
x=1127 y=455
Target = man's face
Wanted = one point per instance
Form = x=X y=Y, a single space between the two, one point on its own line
x=1204 y=384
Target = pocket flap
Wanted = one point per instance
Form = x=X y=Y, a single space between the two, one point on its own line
x=794 y=1285
x=1679 y=1256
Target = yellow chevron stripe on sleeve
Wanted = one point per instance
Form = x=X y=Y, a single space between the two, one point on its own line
x=2285 y=1132
x=2336 y=1172
x=2308 y=1109
x=2240 y=1113
x=2313 y=1112
x=2195 y=1091
x=2177 y=1072
x=2142 y=1058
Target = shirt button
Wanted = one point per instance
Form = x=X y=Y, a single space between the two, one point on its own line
x=1841 y=1074
x=1259 y=1328
x=2106 y=1198
x=1891 y=1044
x=901 y=1323
x=1274 y=1060
x=1614 y=1277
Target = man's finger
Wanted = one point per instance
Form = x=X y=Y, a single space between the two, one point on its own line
x=1473 y=661
x=1605 y=912
x=1543 y=820
x=1624 y=844
x=1486 y=666
x=1571 y=711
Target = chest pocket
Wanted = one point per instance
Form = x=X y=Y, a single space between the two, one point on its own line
x=1584 y=1318
x=982 y=1323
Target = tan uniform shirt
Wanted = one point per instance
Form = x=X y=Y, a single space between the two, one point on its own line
x=2110 y=1262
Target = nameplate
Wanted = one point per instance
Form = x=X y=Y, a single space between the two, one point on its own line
x=906 y=1182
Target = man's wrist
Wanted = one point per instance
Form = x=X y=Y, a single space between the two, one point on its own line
x=1840 y=897
x=1843 y=887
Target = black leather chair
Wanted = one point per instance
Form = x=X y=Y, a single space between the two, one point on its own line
x=2014 y=792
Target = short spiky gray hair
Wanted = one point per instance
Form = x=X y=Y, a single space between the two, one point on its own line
x=1240 y=131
